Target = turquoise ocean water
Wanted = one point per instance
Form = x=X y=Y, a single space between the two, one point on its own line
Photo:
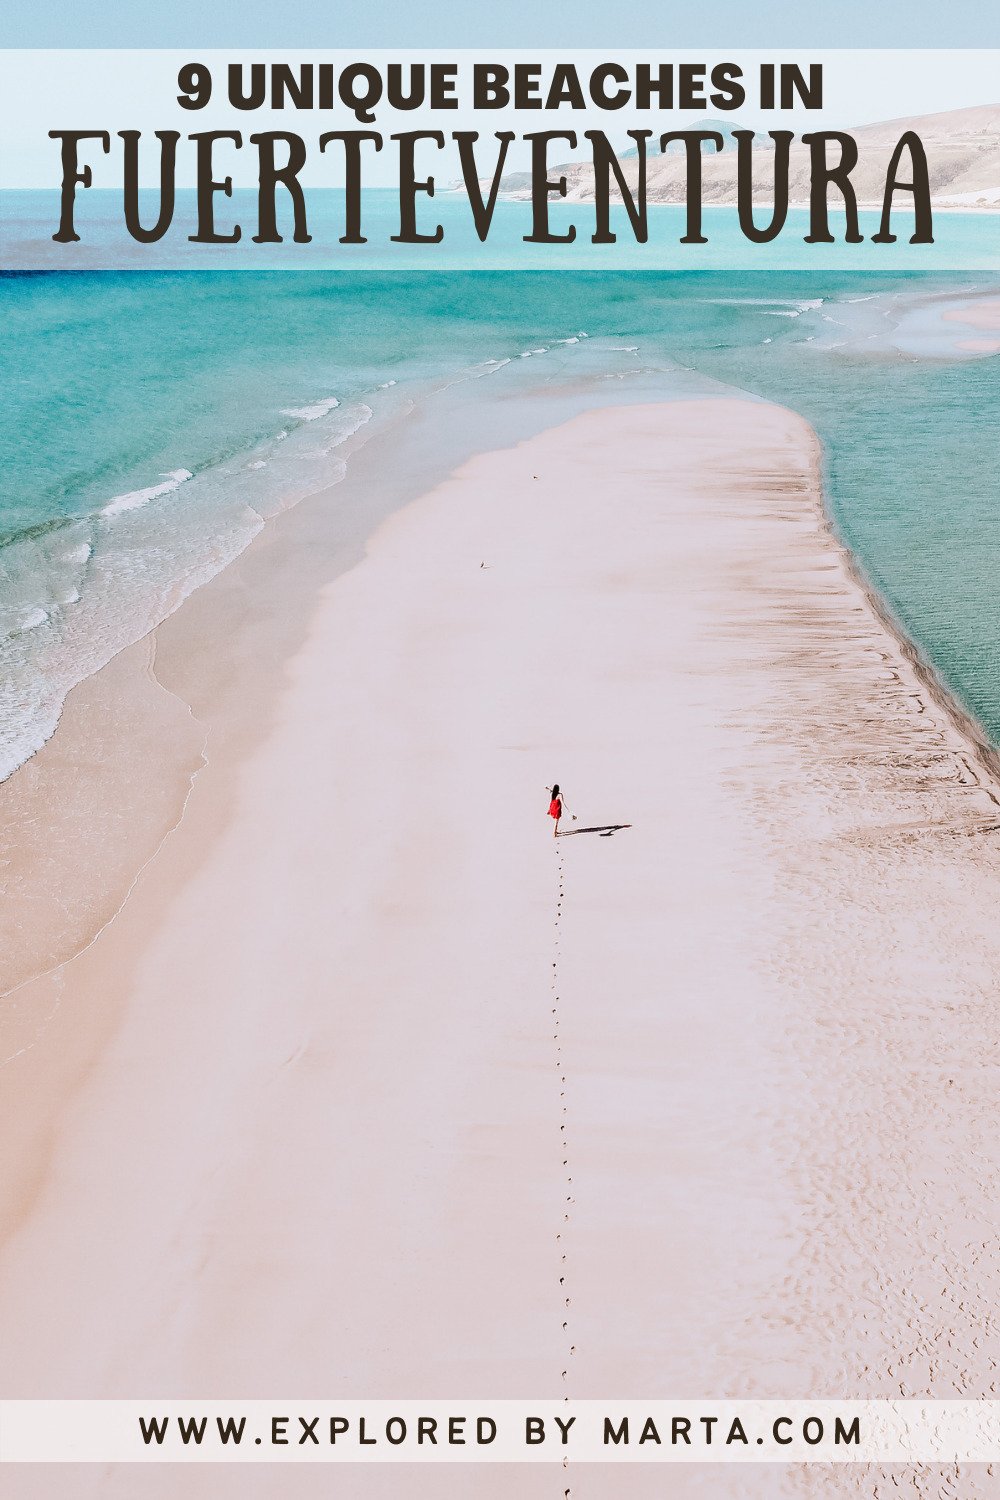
x=154 y=420
x=28 y=218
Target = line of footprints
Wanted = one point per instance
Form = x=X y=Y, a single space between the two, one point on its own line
x=567 y=1205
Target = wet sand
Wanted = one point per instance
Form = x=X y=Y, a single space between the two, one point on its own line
x=983 y=315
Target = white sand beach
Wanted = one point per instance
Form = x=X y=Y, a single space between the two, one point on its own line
x=371 y=1086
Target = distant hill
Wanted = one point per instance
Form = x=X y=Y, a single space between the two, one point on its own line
x=963 y=152
x=722 y=127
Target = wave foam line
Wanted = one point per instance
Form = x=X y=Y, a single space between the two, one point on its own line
x=313 y=412
x=135 y=499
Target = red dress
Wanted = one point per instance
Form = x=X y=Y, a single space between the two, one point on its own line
x=555 y=808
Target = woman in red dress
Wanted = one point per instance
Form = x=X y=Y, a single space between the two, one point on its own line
x=557 y=807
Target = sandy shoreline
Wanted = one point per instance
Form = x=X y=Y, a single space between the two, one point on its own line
x=365 y=1054
x=984 y=315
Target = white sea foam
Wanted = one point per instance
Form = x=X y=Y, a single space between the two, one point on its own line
x=135 y=499
x=313 y=412
x=749 y=302
x=35 y=618
x=488 y=367
x=386 y=384
x=359 y=415
x=257 y=464
x=771 y=307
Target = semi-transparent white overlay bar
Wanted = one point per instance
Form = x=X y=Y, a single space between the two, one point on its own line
x=553 y=1432
x=167 y=159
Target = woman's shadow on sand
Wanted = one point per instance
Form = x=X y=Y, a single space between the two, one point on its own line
x=604 y=830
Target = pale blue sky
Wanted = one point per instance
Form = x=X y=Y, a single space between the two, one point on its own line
x=517 y=23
